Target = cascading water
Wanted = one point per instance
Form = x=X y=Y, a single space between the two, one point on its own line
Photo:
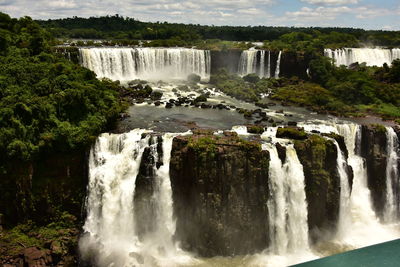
x=287 y=204
x=248 y=62
x=391 y=211
x=146 y=63
x=269 y=65
x=256 y=61
x=344 y=219
x=287 y=207
x=358 y=226
x=111 y=238
x=262 y=64
x=371 y=56
x=278 y=65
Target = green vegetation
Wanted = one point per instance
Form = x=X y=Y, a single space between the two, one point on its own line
x=61 y=236
x=248 y=88
x=126 y=29
x=312 y=42
x=291 y=133
x=47 y=103
x=345 y=92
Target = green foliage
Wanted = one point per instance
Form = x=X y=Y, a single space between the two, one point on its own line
x=237 y=87
x=291 y=133
x=46 y=102
x=284 y=38
x=251 y=78
x=63 y=231
x=193 y=78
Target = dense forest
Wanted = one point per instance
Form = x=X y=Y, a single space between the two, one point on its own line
x=358 y=91
x=124 y=28
x=47 y=103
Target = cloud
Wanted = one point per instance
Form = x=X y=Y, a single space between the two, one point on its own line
x=332 y=13
x=190 y=11
x=330 y=2
x=217 y=12
x=319 y=13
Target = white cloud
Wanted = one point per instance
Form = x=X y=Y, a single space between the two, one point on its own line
x=319 y=13
x=331 y=2
x=331 y=13
x=217 y=12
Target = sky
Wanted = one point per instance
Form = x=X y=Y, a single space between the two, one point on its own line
x=367 y=14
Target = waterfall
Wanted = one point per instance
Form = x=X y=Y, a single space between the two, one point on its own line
x=287 y=203
x=111 y=237
x=366 y=228
x=392 y=176
x=269 y=65
x=249 y=63
x=262 y=63
x=358 y=224
x=278 y=65
x=371 y=56
x=146 y=63
x=344 y=212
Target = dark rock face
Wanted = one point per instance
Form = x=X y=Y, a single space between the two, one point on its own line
x=220 y=192
x=40 y=189
x=318 y=157
x=144 y=190
x=295 y=64
x=373 y=149
x=228 y=59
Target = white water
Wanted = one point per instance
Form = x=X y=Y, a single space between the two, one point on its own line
x=392 y=176
x=344 y=219
x=146 y=63
x=365 y=228
x=250 y=63
x=269 y=65
x=262 y=63
x=278 y=65
x=111 y=238
x=371 y=56
x=287 y=204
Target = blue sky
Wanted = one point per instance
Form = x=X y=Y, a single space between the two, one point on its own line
x=365 y=14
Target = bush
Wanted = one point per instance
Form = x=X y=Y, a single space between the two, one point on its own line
x=194 y=78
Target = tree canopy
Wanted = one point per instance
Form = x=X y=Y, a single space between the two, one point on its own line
x=46 y=102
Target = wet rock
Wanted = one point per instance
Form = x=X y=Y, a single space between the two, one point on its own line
x=33 y=257
x=291 y=133
x=292 y=123
x=156 y=95
x=373 y=149
x=220 y=194
x=168 y=105
x=205 y=106
x=322 y=183
x=262 y=105
x=255 y=129
x=157 y=103
x=201 y=98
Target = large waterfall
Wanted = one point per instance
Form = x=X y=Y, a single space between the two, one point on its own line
x=112 y=236
x=287 y=205
x=126 y=228
x=146 y=63
x=391 y=212
x=344 y=219
x=258 y=62
x=371 y=56
x=358 y=224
